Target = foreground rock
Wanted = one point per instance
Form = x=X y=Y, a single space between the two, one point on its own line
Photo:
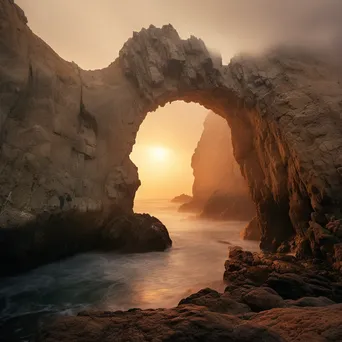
x=181 y=324
x=284 y=275
x=268 y=298
x=51 y=237
x=183 y=198
x=205 y=316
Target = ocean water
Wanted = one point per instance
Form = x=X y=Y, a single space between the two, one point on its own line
x=110 y=281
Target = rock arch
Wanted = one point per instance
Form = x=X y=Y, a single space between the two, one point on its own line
x=77 y=127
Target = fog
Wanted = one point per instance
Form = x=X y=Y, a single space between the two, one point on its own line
x=96 y=30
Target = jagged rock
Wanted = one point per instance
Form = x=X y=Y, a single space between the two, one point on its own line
x=77 y=127
x=252 y=230
x=288 y=277
x=51 y=237
x=183 y=198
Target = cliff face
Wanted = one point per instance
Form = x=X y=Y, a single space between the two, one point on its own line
x=213 y=162
x=218 y=183
x=65 y=131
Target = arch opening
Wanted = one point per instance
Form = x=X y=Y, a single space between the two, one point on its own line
x=163 y=150
x=252 y=136
x=184 y=149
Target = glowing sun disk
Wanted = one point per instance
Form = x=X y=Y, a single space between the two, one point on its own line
x=159 y=153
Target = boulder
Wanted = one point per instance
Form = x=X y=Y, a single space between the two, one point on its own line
x=51 y=237
x=289 y=285
x=135 y=234
x=263 y=298
x=216 y=302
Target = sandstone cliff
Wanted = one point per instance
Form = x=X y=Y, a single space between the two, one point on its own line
x=68 y=133
x=219 y=189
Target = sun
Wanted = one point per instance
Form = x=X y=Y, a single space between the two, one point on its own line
x=159 y=153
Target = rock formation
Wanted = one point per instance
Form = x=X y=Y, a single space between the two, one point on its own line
x=51 y=237
x=252 y=230
x=68 y=133
x=219 y=190
x=183 y=198
x=268 y=298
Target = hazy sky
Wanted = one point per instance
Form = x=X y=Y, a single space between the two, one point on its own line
x=91 y=33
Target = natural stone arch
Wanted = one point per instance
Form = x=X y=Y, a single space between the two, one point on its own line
x=77 y=127
x=262 y=109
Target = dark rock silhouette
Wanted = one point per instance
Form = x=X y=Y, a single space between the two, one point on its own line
x=51 y=237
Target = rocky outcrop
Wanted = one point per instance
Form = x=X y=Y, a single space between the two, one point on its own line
x=252 y=230
x=51 y=237
x=219 y=190
x=77 y=127
x=228 y=206
x=197 y=323
x=183 y=198
x=268 y=298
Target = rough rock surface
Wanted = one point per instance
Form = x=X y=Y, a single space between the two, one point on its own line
x=77 y=127
x=49 y=238
x=248 y=310
x=290 y=278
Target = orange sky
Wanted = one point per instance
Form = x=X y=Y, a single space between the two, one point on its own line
x=176 y=129
x=91 y=33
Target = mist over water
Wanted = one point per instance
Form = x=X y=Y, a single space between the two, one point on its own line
x=110 y=281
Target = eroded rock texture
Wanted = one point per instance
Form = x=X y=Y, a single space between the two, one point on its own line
x=219 y=190
x=69 y=131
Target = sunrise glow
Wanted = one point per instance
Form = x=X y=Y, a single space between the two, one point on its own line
x=159 y=153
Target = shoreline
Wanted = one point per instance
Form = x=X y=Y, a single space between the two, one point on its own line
x=265 y=292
